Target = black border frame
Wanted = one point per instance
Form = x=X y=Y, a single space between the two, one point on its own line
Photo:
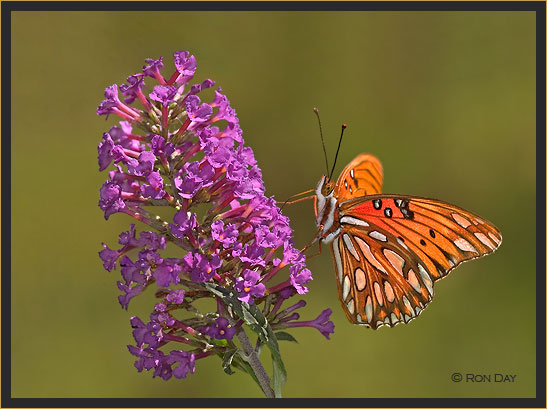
x=538 y=6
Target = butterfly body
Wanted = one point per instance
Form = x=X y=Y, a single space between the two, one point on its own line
x=388 y=250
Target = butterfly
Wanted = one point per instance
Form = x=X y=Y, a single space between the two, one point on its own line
x=389 y=250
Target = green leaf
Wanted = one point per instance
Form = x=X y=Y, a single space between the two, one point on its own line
x=285 y=336
x=220 y=342
x=280 y=374
x=227 y=361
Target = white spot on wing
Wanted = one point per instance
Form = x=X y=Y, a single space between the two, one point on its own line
x=377 y=235
x=463 y=244
x=351 y=306
x=360 y=279
x=353 y=220
x=484 y=240
x=462 y=221
x=332 y=235
x=496 y=239
x=378 y=294
x=368 y=254
x=351 y=173
x=368 y=308
x=338 y=260
x=349 y=246
x=413 y=280
x=408 y=305
x=394 y=319
x=345 y=290
x=396 y=260
x=426 y=279
x=390 y=295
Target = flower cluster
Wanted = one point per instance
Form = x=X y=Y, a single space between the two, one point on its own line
x=177 y=152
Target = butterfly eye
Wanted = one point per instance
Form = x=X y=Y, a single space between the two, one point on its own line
x=327 y=188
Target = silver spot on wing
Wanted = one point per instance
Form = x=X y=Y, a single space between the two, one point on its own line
x=349 y=246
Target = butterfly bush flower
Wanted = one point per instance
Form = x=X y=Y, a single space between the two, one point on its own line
x=179 y=149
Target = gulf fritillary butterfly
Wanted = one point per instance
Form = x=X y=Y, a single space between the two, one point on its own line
x=388 y=250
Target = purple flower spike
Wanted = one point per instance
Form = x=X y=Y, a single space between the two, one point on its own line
x=248 y=288
x=164 y=94
x=186 y=153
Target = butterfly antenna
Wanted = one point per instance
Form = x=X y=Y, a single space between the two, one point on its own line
x=344 y=126
x=322 y=140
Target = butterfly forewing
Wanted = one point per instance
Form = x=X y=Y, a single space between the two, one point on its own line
x=362 y=176
x=392 y=248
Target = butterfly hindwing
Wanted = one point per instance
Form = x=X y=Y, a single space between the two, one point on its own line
x=362 y=176
x=378 y=284
x=399 y=246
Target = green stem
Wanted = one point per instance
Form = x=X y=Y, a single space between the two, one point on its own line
x=254 y=362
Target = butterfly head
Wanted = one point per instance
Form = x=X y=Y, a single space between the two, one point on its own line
x=324 y=188
x=327 y=186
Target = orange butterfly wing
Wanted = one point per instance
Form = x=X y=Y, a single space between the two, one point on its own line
x=362 y=176
x=392 y=248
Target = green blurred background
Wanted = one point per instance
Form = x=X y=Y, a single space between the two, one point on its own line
x=445 y=99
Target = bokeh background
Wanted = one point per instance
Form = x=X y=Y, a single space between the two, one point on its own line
x=445 y=99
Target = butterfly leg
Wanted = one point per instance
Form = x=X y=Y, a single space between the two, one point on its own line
x=316 y=254
x=296 y=201
x=313 y=240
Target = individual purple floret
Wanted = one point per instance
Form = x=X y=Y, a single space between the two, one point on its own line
x=154 y=189
x=248 y=286
x=164 y=94
x=227 y=235
x=299 y=278
x=220 y=329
